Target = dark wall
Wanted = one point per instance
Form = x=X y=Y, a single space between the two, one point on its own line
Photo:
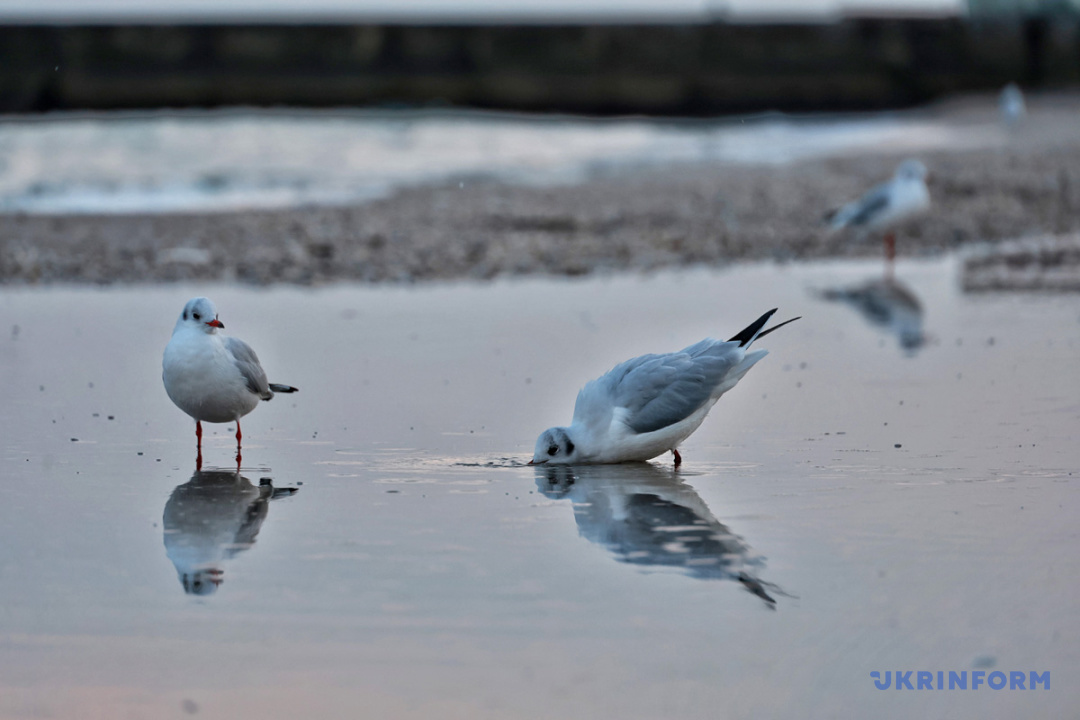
x=594 y=69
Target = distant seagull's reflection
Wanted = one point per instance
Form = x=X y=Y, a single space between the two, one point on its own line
x=889 y=304
x=646 y=516
x=210 y=519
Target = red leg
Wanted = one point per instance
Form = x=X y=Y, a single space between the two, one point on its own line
x=890 y=253
x=238 y=438
x=678 y=457
x=198 y=446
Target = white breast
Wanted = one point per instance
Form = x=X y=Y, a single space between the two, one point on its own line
x=202 y=379
x=622 y=444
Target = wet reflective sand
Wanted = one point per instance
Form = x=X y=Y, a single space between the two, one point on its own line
x=901 y=511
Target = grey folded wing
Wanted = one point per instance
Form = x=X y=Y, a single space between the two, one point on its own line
x=247 y=362
x=661 y=390
x=865 y=209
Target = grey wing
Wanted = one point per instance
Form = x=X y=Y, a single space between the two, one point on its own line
x=870 y=205
x=661 y=390
x=254 y=516
x=863 y=210
x=247 y=362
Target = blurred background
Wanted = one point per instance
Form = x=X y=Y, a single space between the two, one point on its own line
x=603 y=57
x=302 y=142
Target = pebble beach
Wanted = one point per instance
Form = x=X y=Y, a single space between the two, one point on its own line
x=1025 y=182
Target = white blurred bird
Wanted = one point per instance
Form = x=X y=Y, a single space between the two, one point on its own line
x=1011 y=105
x=886 y=205
x=648 y=405
x=213 y=377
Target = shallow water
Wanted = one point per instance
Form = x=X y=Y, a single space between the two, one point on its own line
x=241 y=159
x=852 y=506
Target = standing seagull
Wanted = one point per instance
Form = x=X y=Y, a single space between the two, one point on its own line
x=213 y=377
x=886 y=205
x=649 y=405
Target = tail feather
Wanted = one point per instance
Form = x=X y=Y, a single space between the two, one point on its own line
x=283 y=388
x=763 y=333
x=753 y=331
x=748 y=333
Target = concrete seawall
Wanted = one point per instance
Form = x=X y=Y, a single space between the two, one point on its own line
x=693 y=69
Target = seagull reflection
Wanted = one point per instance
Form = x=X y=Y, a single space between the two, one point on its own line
x=210 y=519
x=646 y=516
x=889 y=304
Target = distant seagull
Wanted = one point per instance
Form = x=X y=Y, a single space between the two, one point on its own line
x=1011 y=105
x=882 y=208
x=210 y=376
x=647 y=406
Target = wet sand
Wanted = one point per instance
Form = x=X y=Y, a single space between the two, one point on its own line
x=1021 y=183
x=924 y=523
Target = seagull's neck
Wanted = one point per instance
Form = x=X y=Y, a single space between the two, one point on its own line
x=583 y=439
x=189 y=331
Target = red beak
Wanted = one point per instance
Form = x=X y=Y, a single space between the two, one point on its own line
x=215 y=323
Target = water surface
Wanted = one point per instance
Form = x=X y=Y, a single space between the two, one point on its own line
x=899 y=510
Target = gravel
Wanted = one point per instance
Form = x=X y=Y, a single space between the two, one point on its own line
x=642 y=220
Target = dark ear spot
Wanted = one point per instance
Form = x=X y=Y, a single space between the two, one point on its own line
x=569 y=447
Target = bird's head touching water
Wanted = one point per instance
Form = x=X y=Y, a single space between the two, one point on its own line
x=555 y=446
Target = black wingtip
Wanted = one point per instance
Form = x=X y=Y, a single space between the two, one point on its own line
x=748 y=333
x=777 y=327
x=283 y=388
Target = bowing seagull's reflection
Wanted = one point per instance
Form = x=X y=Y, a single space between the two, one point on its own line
x=888 y=304
x=210 y=519
x=646 y=516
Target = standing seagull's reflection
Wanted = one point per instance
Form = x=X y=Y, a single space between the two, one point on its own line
x=888 y=304
x=646 y=516
x=210 y=519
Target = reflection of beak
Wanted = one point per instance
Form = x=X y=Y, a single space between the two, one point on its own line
x=216 y=323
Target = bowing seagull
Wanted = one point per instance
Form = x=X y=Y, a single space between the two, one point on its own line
x=648 y=405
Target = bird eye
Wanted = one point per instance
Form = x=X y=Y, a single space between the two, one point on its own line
x=196 y=316
x=554 y=449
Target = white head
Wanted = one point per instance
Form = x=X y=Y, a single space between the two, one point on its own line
x=911 y=170
x=555 y=446
x=199 y=314
x=202 y=582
